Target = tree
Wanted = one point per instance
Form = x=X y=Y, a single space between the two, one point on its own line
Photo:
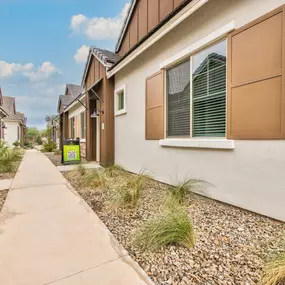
x=32 y=134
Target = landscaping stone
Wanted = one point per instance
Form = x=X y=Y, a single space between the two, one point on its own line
x=231 y=244
x=3 y=196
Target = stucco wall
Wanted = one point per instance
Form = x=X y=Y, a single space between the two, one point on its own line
x=250 y=176
x=11 y=132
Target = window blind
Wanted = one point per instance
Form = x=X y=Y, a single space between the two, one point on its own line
x=209 y=97
x=178 y=84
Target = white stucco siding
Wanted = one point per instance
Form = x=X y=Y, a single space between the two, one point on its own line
x=11 y=132
x=252 y=175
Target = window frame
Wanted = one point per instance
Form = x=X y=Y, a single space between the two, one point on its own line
x=117 y=93
x=190 y=58
x=83 y=130
x=72 y=129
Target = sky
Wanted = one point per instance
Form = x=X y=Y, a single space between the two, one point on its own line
x=44 y=45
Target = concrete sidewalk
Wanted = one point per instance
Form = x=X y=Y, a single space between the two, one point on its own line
x=48 y=235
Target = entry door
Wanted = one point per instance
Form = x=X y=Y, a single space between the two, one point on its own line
x=98 y=131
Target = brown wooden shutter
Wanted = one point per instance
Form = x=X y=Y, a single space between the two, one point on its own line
x=155 y=107
x=256 y=94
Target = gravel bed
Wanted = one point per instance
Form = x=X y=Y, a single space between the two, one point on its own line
x=231 y=244
x=3 y=195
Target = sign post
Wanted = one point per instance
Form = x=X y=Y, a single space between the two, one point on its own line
x=71 y=152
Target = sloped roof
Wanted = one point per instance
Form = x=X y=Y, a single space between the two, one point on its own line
x=9 y=105
x=21 y=116
x=106 y=57
x=74 y=90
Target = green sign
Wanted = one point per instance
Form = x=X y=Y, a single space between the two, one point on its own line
x=71 y=153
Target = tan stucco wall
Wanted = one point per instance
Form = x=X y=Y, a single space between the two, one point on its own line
x=252 y=175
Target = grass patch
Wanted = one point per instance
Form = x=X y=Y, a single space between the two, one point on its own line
x=127 y=191
x=274 y=272
x=177 y=194
x=169 y=228
x=81 y=169
x=113 y=170
x=57 y=152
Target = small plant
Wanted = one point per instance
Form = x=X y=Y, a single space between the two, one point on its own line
x=274 y=272
x=94 y=179
x=49 y=146
x=178 y=193
x=170 y=227
x=16 y=144
x=57 y=152
x=81 y=168
x=8 y=157
x=28 y=144
x=128 y=193
x=113 y=170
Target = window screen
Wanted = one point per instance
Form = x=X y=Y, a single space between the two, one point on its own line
x=209 y=92
x=121 y=101
x=178 y=97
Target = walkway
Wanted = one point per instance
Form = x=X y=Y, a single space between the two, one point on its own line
x=48 y=235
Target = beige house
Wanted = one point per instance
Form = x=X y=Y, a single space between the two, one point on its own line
x=72 y=122
x=199 y=93
x=14 y=123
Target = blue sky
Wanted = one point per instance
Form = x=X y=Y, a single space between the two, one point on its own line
x=44 y=44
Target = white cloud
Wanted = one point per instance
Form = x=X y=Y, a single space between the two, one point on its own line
x=43 y=72
x=9 y=69
x=77 y=21
x=81 y=54
x=99 y=28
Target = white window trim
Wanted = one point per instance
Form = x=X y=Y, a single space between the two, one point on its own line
x=199 y=143
x=201 y=44
x=194 y=142
x=117 y=91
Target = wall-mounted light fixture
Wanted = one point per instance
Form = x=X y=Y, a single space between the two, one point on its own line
x=96 y=113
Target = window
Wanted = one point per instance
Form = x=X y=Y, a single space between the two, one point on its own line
x=83 y=125
x=120 y=101
x=197 y=95
x=72 y=128
x=18 y=133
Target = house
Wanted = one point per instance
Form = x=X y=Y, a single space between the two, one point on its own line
x=195 y=89
x=14 y=122
x=72 y=122
x=53 y=125
x=91 y=114
x=3 y=114
x=199 y=92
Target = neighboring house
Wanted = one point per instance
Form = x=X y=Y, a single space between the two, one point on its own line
x=3 y=114
x=15 y=122
x=72 y=120
x=53 y=124
x=91 y=114
x=195 y=89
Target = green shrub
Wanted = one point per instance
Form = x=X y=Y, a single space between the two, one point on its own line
x=39 y=140
x=28 y=144
x=49 y=146
x=274 y=271
x=8 y=158
x=81 y=168
x=16 y=143
x=169 y=227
